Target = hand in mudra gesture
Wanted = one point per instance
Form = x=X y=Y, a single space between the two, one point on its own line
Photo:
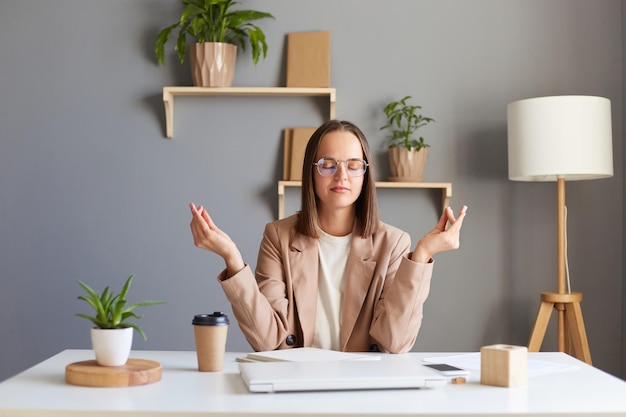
x=440 y=238
x=206 y=235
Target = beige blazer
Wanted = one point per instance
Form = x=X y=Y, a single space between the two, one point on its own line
x=382 y=302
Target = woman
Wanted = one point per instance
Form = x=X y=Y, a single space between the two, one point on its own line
x=333 y=275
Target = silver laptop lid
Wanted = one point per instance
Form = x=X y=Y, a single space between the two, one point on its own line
x=337 y=375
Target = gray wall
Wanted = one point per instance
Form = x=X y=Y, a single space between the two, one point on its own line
x=623 y=361
x=90 y=188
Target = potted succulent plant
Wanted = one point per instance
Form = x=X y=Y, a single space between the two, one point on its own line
x=407 y=153
x=216 y=30
x=112 y=336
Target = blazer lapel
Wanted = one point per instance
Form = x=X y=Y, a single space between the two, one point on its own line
x=359 y=274
x=304 y=265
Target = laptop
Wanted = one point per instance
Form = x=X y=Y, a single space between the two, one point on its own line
x=338 y=375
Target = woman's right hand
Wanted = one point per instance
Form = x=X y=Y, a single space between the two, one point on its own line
x=206 y=235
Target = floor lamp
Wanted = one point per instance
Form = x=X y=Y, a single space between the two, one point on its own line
x=560 y=138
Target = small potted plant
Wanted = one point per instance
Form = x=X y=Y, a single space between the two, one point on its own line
x=407 y=153
x=216 y=30
x=112 y=336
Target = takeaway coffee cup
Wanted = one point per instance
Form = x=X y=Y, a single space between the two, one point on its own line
x=210 y=332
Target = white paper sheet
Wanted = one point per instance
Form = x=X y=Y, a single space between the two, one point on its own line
x=471 y=362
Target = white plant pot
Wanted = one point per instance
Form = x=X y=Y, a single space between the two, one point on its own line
x=112 y=346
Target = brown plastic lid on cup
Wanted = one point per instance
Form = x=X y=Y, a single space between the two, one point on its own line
x=218 y=318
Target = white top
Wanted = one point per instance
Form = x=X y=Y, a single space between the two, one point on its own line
x=333 y=256
x=183 y=391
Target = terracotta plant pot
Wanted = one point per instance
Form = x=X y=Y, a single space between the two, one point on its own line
x=407 y=165
x=212 y=64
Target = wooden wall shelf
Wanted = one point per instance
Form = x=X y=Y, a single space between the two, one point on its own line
x=170 y=92
x=446 y=188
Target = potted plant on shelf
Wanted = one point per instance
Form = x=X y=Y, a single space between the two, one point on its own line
x=407 y=154
x=216 y=31
x=112 y=336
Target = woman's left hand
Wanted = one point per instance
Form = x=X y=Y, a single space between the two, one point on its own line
x=440 y=239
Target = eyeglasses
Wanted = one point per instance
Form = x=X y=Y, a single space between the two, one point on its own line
x=328 y=166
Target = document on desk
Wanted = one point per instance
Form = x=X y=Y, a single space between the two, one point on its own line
x=309 y=354
x=471 y=361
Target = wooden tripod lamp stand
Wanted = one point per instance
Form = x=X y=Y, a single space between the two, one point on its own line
x=560 y=138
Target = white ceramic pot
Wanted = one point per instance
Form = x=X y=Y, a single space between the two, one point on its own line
x=112 y=346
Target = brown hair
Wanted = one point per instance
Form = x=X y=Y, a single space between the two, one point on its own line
x=366 y=204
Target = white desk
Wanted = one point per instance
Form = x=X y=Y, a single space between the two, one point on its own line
x=182 y=391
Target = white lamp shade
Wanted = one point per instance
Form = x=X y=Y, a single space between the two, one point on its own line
x=566 y=137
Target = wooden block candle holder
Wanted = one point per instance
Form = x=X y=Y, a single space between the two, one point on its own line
x=503 y=365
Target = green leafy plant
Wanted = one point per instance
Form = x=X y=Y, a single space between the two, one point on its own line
x=214 y=21
x=404 y=120
x=112 y=310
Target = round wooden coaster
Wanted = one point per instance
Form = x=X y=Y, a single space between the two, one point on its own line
x=135 y=372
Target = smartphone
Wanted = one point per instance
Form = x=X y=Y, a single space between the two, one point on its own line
x=447 y=370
